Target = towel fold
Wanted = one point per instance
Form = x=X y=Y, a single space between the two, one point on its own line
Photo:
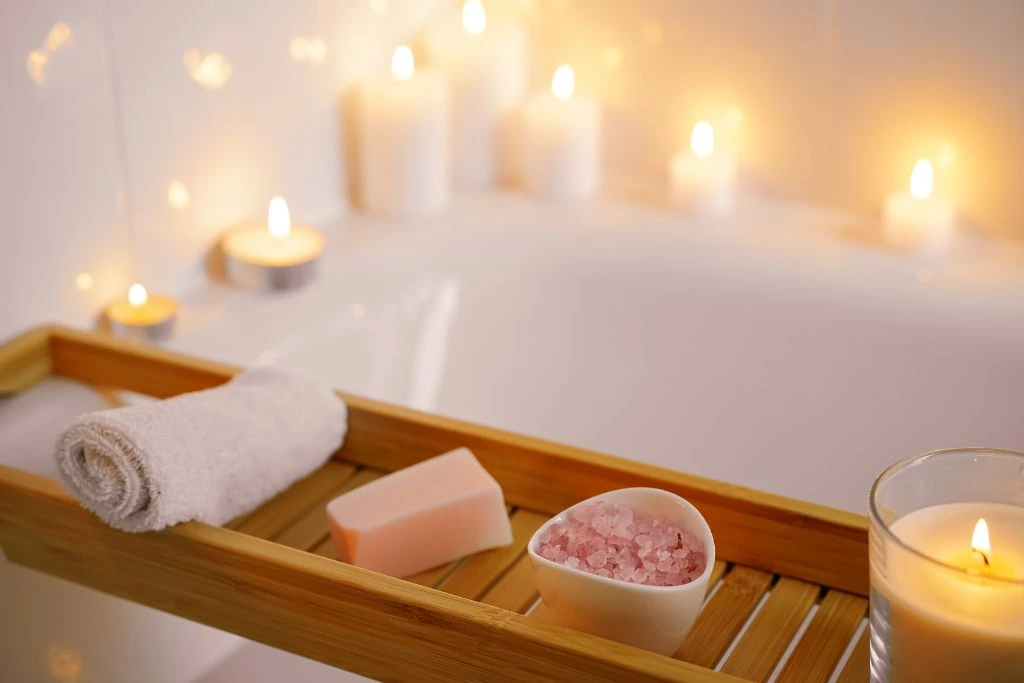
x=209 y=455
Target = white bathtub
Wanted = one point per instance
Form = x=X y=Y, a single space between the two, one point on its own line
x=769 y=351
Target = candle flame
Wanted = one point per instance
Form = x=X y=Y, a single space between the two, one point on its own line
x=402 y=63
x=922 y=179
x=563 y=83
x=279 y=220
x=474 y=19
x=83 y=281
x=980 y=544
x=210 y=70
x=137 y=295
x=702 y=140
x=177 y=194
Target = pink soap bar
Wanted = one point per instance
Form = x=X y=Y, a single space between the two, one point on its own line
x=411 y=520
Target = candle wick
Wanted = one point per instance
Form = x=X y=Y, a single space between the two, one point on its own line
x=984 y=557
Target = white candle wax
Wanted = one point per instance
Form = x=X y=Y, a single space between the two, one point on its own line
x=403 y=141
x=275 y=254
x=484 y=59
x=702 y=179
x=916 y=218
x=562 y=141
x=963 y=622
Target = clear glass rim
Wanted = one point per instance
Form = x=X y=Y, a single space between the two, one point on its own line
x=933 y=455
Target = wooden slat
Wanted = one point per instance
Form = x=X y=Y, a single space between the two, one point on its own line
x=478 y=573
x=432 y=577
x=541 y=611
x=326 y=548
x=344 y=616
x=311 y=527
x=825 y=639
x=771 y=631
x=274 y=516
x=724 y=615
x=857 y=669
x=716 y=574
x=516 y=590
x=25 y=360
x=775 y=534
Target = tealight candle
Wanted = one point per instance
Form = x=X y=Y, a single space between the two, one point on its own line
x=275 y=254
x=947 y=569
x=403 y=140
x=484 y=59
x=142 y=316
x=562 y=140
x=702 y=179
x=916 y=218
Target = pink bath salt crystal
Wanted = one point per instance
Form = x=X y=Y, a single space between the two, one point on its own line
x=614 y=541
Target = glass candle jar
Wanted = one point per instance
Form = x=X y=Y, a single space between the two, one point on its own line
x=947 y=568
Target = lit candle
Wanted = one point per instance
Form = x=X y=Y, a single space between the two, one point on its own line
x=142 y=316
x=702 y=179
x=916 y=218
x=562 y=140
x=274 y=254
x=958 y=616
x=403 y=140
x=484 y=58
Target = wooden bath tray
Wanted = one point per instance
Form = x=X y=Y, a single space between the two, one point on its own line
x=788 y=596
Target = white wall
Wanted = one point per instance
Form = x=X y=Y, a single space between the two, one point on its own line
x=838 y=99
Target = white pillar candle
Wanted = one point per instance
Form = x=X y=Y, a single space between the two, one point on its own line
x=403 y=140
x=484 y=58
x=916 y=218
x=142 y=316
x=702 y=179
x=562 y=141
x=959 y=616
x=275 y=254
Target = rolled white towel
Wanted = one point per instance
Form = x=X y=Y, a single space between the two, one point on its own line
x=209 y=455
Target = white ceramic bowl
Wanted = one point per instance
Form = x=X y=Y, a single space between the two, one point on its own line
x=655 y=618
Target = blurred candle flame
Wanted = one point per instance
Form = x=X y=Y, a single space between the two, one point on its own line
x=474 y=19
x=922 y=179
x=177 y=194
x=210 y=70
x=563 y=83
x=402 y=63
x=311 y=49
x=36 y=65
x=137 y=295
x=279 y=220
x=83 y=282
x=59 y=36
x=702 y=140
